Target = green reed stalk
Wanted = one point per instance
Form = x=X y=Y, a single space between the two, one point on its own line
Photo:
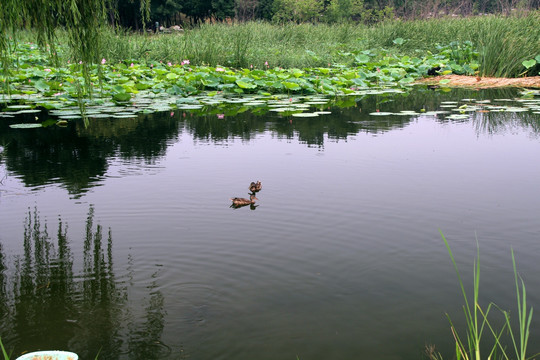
x=6 y=356
x=475 y=317
x=524 y=316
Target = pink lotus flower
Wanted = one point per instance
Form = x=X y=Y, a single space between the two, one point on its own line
x=220 y=69
x=47 y=70
x=185 y=62
x=169 y=64
x=172 y=113
x=103 y=61
x=132 y=65
x=220 y=116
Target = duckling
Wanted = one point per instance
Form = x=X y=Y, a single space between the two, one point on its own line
x=255 y=187
x=242 y=201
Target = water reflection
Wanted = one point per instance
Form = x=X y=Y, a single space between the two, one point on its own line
x=46 y=304
x=500 y=123
x=79 y=157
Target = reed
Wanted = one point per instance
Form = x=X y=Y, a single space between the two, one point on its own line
x=475 y=317
x=502 y=43
x=524 y=317
x=4 y=352
x=477 y=321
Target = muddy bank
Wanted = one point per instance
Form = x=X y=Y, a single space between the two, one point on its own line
x=482 y=82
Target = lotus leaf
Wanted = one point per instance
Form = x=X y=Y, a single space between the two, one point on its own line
x=25 y=126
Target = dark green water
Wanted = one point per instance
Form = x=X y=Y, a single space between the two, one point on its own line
x=119 y=237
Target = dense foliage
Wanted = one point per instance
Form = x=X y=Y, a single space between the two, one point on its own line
x=189 y=12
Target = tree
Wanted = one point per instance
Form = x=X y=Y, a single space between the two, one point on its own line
x=222 y=9
x=163 y=11
x=265 y=10
x=297 y=10
x=343 y=10
x=246 y=10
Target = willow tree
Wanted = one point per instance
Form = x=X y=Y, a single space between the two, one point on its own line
x=83 y=21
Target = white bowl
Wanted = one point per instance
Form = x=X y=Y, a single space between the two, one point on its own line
x=49 y=355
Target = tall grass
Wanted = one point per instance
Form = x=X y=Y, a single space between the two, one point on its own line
x=477 y=321
x=502 y=42
x=4 y=353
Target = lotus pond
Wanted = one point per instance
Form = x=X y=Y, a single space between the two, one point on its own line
x=117 y=234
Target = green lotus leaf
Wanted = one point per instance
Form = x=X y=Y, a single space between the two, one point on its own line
x=529 y=63
x=381 y=113
x=244 y=84
x=25 y=126
x=306 y=114
x=121 y=96
x=362 y=59
x=291 y=85
x=172 y=76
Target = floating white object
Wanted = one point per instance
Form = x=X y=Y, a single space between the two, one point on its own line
x=49 y=355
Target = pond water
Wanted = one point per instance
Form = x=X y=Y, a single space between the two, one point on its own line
x=119 y=237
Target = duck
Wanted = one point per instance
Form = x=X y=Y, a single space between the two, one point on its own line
x=242 y=201
x=255 y=187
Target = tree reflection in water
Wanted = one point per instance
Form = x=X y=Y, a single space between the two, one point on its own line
x=45 y=304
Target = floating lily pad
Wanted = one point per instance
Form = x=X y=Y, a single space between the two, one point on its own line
x=18 y=107
x=29 y=111
x=457 y=116
x=64 y=112
x=282 y=109
x=99 y=116
x=124 y=116
x=25 y=126
x=190 y=107
x=516 y=109
x=316 y=102
x=306 y=114
x=434 y=113
x=70 y=117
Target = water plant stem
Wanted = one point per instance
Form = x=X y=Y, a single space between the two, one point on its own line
x=477 y=319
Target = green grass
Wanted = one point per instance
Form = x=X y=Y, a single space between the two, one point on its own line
x=4 y=353
x=478 y=322
x=502 y=43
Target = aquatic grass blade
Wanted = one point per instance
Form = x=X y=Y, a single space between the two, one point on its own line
x=476 y=319
x=6 y=356
x=524 y=319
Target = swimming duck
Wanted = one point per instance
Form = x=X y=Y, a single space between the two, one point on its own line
x=255 y=187
x=242 y=201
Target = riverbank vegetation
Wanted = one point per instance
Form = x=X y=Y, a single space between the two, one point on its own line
x=260 y=57
x=83 y=49
x=509 y=341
